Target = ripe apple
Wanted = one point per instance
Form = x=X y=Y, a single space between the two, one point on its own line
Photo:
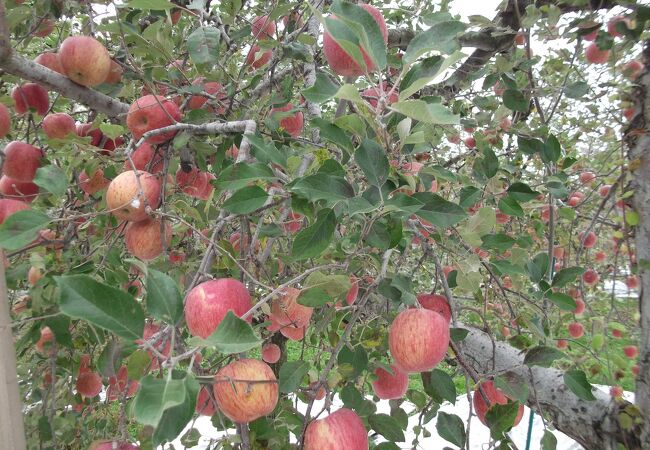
x=271 y=353
x=51 y=61
x=112 y=445
x=418 y=339
x=580 y=307
x=144 y=239
x=562 y=344
x=470 y=142
x=21 y=161
x=389 y=386
x=18 y=190
x=587 y=177
x=10 y=206
x=193 y=182
x=262 y=27
x=631 y=351
x=47 y=336
x=145 y=158
x=498 y=89
x=374 y=94
x=293 y=223
x=58 y=125
x=436 y=303
x=162 y=345
x=33 y=275
x=89 y=384
x=454 y=139
x=595 y=55
x=342 y=429
x=45 y=28
x=30 y=96
x=152 y=112
x=125 y=199
x=119 y=383
x=520 y=38
x=613 y=22
x=633 y=69
x=319 y=393
x=256 y=58
x=635 y=370
x=600 y=256
x=603 y=191
x=209 y=187
x=288 y=316
x=340 y=61
x=590 y=277
x=291 y=123
x=496 y=397
x=589 y=240
x=208 y=303
x=353 y=292
x=293 y=21
x=213 y=88
x=5 y=121
x=94 y=184
x=85 y=60
x=246 y=390
x=114 y=74
x=576 y=330
x=205 y=402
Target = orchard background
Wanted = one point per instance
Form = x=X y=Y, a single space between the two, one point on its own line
x=229 y=208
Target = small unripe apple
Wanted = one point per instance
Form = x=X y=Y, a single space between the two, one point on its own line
x=30 y=96
x=595 y=55
x=436 y=303
x=256 y=58
x=263 y=27
x=59 y=125
x=124 y=197
x=18 y=190
x=89 y=384
x=418 y=339
x=342 y=429
x=208 y=303
x=496 y=397
x=152 y=112
x=51 y=61
x=340 y=61
x=85 y=60
x=206 y=405
x=576 y=330
x=21 y=161
x=246 y=390
x=389 y=386
x=271 y=353
x=292 y=123
x=144 y=239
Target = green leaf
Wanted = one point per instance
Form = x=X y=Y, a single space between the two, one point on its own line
x=458 y=334
x=566 y=276
x=576 y=381
x=155 y=396
x=387 y=426
x=138 y=364
x=404 y=203
x=156 y=5
x=164 y=300
x=21 y=228
x=203 y=45
x=499 y=241
x=451 y=428
x=513 y=385
x=576 y=90
x=372 y=160
x=52 y=179
x=442 y=36
x=549 y=441
x=521 y=191
x=107 y=307
x=552 y=150
x=266 y=152
x=538 y=267
x=291 y=375
x=333 y=133
x=233 y=335
x=175 y=419
x=439 y=385
x=529 y=146
x=439 y=211
x=542 y=356
x=507 y=267
x=246 y=200
x=562 y=301
x=500 y=418
x=431 y=113
x=425 y=72
x=322 y=186
x=322 y=90
x=515 y=100
x=240 y=175
x=314 y=297
x=333 y=285
x=508 y=205
x=314 y=239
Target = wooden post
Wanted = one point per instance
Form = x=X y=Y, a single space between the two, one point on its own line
x=12 y=432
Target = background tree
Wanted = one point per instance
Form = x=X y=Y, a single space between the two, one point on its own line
x=218 y=209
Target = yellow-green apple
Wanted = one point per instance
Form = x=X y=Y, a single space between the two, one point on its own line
x=340 y=61
x=145 y=240
x=25 y=191
x=130 y=192
x=418 y=339
x=85 y=60
x=496 y=397
x=246 y=390
x=21 y=161
x=152 y=112
x=208 y=303
x=59 y=125
x=388 y=385
x=30 y=97
x=340 y=430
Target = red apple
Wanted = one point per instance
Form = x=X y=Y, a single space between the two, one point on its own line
x=374 y=94
x=342 y=429
x=205 y=402
x=587 y=177
x=632 y=282
x=114 y=74
x=125 y=198
x=520 y=38
x=562 y=344
x=208 y=303
x=5 y=121
x=209 y=187
x=246 y=390
x=418 y=339
x=271 y=353
x=85 y=60
x=389 y=386
x=498 y=88
x=89 y=384
x=319 y=394
x=590 y=277
x=213 y=88
x=576 y=330
x=293 y=21
x=112 y=445
x=635 y=370
x=152 y=112
x=144 y=239
x=288 y=316
x=496 y=397
x=613 y=22
x=470 y=142
x=595 y=55
x=193 y=182
x=436 y=303
x=293 y=222
x=589 y=240
x=145 y=158
x=600 y=256
x=631 y=351
x=291 y=123
x=22 y=160
x=18 y=190
x=603 y=191
x=340 y=61
x=94 y=184
x=633 y=69
x=120 y=383
x=10 y=206
x=454 y=139
x=51 y=61
x=580 y=307
x=256 y=58
x=30 y=96
x=262 y=27
x=58 y=125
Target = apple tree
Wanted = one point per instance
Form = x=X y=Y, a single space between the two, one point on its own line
x=279 y=215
